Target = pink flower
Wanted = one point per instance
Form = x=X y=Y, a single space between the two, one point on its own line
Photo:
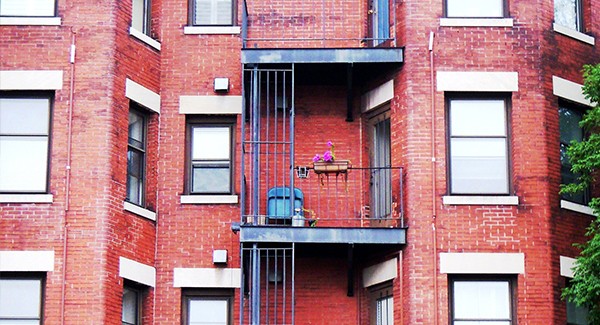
x=329 y=144
x=316 y=158
x=327 y=156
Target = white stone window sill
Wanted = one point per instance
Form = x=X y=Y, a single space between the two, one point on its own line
x=26 y=198
x=209 y=199
x=30 y=21
x=144 y=38
x=139 y=211
x=476 y=22
x=214 y=30
x=480 y=200
x=574 y=34
x=567 y=205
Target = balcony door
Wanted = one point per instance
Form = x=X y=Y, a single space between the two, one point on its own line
x=381 y=180
x=380 y=21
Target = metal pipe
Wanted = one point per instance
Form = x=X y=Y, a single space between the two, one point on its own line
x=255 y=290
x=292 y=137
x=433 y=184
x=255 y=120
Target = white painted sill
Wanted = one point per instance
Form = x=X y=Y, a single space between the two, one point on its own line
x=26 y=198
x=144 y=38
x=137 y=210
x=574 y=34
x=212 y=30
x=476 y=22
x=576 y=207
x=480 y=200
x=30 y=21
x=209 y=199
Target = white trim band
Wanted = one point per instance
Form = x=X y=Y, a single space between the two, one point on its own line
x=380 y=273
x=128 y=206
x=144 y=38
x=136 y=271
x=576 y=207
x=26 y=261
x=31 y=79
x=569 y=90
x=479 y=81
x=212 y=30
x=476 y=22
x=377 y=96
x=26 y=198
x=206 y=278
x=574 y=34
x=480 y=200
x=208 y=199
x=226 y=104
x=482 y=263
x=30 y=21
x=142 y=95
x=567 y=264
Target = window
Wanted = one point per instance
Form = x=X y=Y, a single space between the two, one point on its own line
x=211 y=12
x=569 y=118
x=478 y=146
x=380 y=21
x=132 y=303
x=475 y=8
x=482 y=301
x=21 y=299
x=136 y=156
x=27 y=8
x=382 y=305
x=203 y=307
x=24 y=143
x=210 y=158
x=141 y=16
x=568 y=13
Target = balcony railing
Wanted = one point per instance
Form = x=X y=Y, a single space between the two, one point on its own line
x=356 y=197
x=315 y=24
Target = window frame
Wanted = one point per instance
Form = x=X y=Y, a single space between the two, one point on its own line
x=35 y=95
x=378 y=292
x=506 y=98
x=505 y=11
x=512 y=292
x=193 y=123
x=139 y=291
x=54 y=14
x=581 y=110
x=137 y=109
x=579 y=19
x=211 y=294
x=192 y=15
x=28 y=276
x=146 y=18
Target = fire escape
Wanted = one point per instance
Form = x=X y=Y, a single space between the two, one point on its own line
x=291 y=208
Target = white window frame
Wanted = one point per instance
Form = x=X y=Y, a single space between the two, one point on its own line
x=452 y=145
x=207 y=295
x=511 y=282
x=45 y=136
x=24 y=277
x=478 y=7
x=140 y=148
x=25 y=5
x=193 y=20
x=141 y=16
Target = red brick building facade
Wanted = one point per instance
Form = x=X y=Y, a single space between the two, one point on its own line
x=153 y=160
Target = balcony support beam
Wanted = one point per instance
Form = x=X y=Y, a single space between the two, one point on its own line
x=324 y=55
x=326 y=235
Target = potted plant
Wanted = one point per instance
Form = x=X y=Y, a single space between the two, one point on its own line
x=327 y=164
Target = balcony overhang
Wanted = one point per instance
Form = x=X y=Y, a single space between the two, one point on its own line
x=322 y=235
x=320 y=55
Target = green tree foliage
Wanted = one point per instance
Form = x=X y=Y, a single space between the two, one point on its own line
x=585 y=159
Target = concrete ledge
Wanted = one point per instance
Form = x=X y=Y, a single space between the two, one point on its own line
x=567 y=264
x=380 y=273
x=206 y=278
x=574 y=34
x=127 y=206
x=480 y=200
x=226 y=104
x=482 y=263
x=208 y=199
x=136 y=271
x=569 y=90
x=26 y=198
x=142 y=95
x=30 y=21
x=476 y=22
x=26 y=261
x=479 y=81
x=31 y=79
x=212 y=30
x=377 y=96
x=144 y=38
x=576 y=207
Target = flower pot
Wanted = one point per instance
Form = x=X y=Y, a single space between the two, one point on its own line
x=331 y=167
